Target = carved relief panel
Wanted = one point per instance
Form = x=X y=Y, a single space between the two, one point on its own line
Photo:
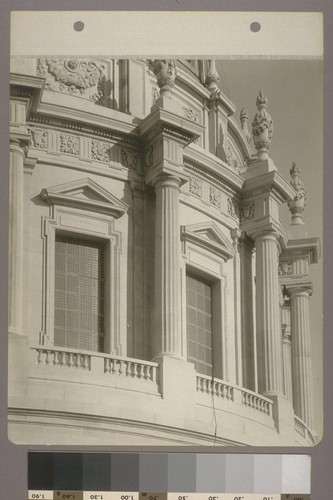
x=89 y=79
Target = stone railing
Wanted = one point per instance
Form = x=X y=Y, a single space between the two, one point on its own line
x=257 y=402
x=302 y=429
x=97 y=362
x=238 y=395
x=215 y=387
x=134 y=368
x=71 y=359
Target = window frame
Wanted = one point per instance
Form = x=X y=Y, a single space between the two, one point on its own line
x=206 y=258
x=76 y=217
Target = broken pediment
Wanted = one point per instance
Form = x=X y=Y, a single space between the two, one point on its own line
x=86 y=195
x=208 y=235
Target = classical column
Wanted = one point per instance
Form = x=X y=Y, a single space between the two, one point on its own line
x=167 y=267
x=268 y=321
x=236 y=235
x=301 y=353
x=15 y=245
x=286 y=346
x=248 y=342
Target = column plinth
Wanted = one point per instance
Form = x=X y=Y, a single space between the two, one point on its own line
x=301 y=354
x=167 y=268
x=268 y=321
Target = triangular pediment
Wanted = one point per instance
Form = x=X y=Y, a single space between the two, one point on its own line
x=85 y=194
x=207 y=234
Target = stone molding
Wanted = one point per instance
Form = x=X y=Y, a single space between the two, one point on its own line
x=208 y=236
x=76 y=213
x=84 y=194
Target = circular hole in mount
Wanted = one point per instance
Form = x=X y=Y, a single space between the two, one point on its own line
x=78 y=26
x=255 y=27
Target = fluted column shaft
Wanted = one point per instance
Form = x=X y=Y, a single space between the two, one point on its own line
x=288 y=388
x=301 y=355
x=268 y=321
x=15 y=245
x=167 y=268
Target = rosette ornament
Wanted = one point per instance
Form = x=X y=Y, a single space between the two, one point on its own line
x=262 y=127
x=165 y=72
x=296 y=206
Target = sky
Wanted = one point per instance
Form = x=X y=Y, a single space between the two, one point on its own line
x=295 y=93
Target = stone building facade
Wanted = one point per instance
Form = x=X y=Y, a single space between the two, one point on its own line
x=154 y=295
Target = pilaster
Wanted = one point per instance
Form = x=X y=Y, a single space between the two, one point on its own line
x=269 y=342
x=19 y=143
x=286 y=346
x=294 y=270
x=301 y=353
x=248 y=342
x=236 y=234
x=167 y=268
x=165 y=133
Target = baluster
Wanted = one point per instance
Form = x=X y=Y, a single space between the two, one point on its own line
x=47 y=359
x=128 y=368
x=70 y=360
x=39 y=356
x=135 y=369
x=86 y=362
x=153 y=374
x=121 y=367
x=147 y=372
x=55 y=358
x=141 y=372
x=112 y=369
x=206 y=382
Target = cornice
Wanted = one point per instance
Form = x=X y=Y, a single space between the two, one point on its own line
x=272 y=182
x=217 y=243
x=162 y=121
x=302 y=247
x=85 y=194
x=212 y=167
x=26 y=86
x=114 y=123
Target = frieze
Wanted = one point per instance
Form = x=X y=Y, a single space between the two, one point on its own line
x=80 y=77
x=205 y=175
x=69 y=144
x=215 y=196
x=247 y=213
x=39 y=137
x=148 y=158
x=100 y=151
x=285 y=268
x=233 y=209
x=195 y=187
x=190 y=114
x=54 y=142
